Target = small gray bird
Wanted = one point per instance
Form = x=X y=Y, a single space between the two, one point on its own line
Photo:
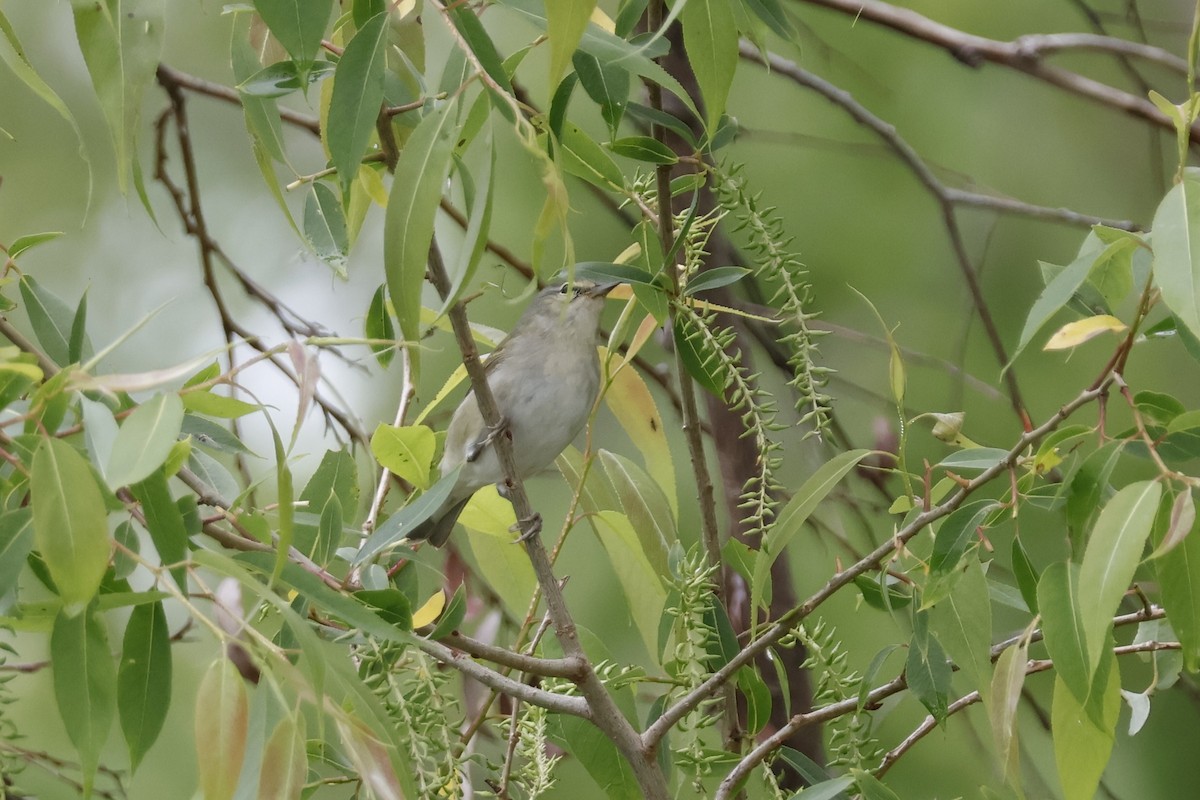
x=545 y=376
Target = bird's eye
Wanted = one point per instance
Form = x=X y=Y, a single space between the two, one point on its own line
x=564 y=289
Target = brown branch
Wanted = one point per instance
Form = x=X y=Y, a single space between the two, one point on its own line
x=944 y=197
x=221 y=92
x=974 y=51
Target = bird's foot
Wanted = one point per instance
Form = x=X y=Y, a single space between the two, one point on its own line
x=529 y=528
x=487 y=437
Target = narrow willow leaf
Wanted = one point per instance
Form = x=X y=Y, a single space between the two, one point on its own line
x=582 y=157
x=23 y=243
x=1111 y=557
x=412 y=205
x=608 y=86
x=1076 y=333
x=85 y=685
x=1176 y=255
x=640 y=582
x=1058 y=292
x=479 y=224
x=793 y=516
x=217 y=405
x=714 y=279
x=14 y=55
x=165 y=523
x=144 y=679
x=1026 y=574
x=16 y=541
x=710 y=37
x=69 y=521
x=565 y=23
x=927 y=669
x=645 y=505
x=482 y=46
x=401 y=523
x=222 y=722
x=1179 y=524
x=335 y=477
x=644 y=148
x=378 y=325
x=145 y=440
x=453 y=616
x=406 y=451
x=956 y=534
x=1007 y=682
x=285 y=495
x=284 y=762
x=121 y=42
x=297 y=24
x=1062 y=624
x=325 y=227
x=1081 y=748
x=1179 y=575
x=50 y=318
x=357 y=97
x=963 y=624
x=630 y=401
x=758 y=699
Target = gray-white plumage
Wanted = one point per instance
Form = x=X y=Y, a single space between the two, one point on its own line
x=545 y=376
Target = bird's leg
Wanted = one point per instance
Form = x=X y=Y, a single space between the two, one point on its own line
x=488 y=435
x=529 y=527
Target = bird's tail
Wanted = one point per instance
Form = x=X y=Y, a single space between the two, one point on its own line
x=437 y=529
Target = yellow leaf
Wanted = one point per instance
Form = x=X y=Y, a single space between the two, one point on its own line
x=432 y=609
x=1076 y=333
x=631 y=403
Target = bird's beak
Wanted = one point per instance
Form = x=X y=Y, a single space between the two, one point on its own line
x=603 y=289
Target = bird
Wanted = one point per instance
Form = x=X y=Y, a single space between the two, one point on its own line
x=545 y=377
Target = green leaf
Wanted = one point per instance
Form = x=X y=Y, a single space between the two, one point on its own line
x=1111 y=557
x=644 y=148
x=1007 y=682
x=607 y=272
x=956 y=533
x=963 y=624
x=335 y=479
x=121 y=42
x=793 y=516
x=285 y=761
x=641 y=583
x=699 y=364
x=608 y=86
x=630 y=401
x=207 y=433
x=23 y=243
x=1112 y=272
x=16 y=541
x=401 y=523
x=144 y=679
x=325 y=227
x=771 y=12
x=297 y=24
x=927 y=669
x=978 y=458
x=1081 y=747
x=481 y=44
x=452 y=616
x=1179 y=576
x=710 y=37
x=1090 y=482
x=582 y=157
x=284 y=78
x=1026 y=574
x=145 y=440
x=832 y=789
x=78 y=346
x=1058 y=292
x=51 y=319
x=1062 y=624
x=221 y=727
x=714 y=279
x=645 y=505
x=357 y=97
x=390 y=604
x=758 y=699
x=14 y=56
x=217 y=405
x=1176 y=255
x=871 y=787
x=378 y=325
x=479 y=223
x=69 y=521
x=165 y=523
x=407 y=451
x=85 y=685
x=412 y=205
x=565 y=23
